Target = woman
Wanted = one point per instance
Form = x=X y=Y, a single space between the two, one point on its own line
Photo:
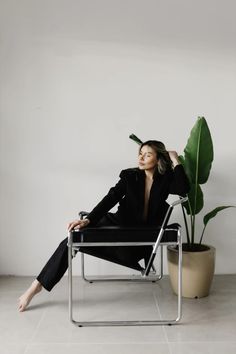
x=141 y=193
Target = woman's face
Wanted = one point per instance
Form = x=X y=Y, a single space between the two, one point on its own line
x=147 y=159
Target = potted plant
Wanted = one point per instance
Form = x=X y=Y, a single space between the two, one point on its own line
x=198 y=258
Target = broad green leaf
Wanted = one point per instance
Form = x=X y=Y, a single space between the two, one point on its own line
x=215 y=211
x=199 y=152
x=197 y=203
x=187 y=171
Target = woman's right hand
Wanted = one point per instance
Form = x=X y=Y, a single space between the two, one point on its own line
x=78 y=224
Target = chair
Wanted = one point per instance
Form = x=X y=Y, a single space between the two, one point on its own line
x=112 y=236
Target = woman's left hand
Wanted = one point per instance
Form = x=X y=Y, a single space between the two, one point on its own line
x=174 y=158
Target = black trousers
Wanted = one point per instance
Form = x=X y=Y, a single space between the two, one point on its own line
x=57 y=265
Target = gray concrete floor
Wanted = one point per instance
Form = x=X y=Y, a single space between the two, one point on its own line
x=208 y=325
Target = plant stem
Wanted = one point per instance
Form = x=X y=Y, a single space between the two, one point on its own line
x=186 y=224
x=196 y=183
x=193 y=229
x=191 y=221
x=202 y=235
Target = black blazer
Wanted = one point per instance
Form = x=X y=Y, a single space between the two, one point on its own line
x=129 y=192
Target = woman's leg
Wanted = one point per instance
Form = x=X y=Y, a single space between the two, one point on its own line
x=52 y=272
x=25 y=299
x=57 y=265
x=50 y=275
x=125 y=256
x=55 y=268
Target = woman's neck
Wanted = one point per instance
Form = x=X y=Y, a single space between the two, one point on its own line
x=149 y=173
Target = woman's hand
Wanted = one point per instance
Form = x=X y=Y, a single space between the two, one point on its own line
x=78 y=224
x=174 y=158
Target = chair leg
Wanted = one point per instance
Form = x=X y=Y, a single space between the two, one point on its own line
x=83 y=270
x=179 y=277
x=125 y=323
x=70 y=277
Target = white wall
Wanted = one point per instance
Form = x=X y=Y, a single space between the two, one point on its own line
x=77 y=77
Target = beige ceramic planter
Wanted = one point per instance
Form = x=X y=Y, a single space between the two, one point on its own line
x=198 y=270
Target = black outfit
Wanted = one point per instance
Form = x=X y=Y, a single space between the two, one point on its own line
x=129 y=192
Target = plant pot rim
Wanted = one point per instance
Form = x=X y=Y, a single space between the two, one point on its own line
x=209 y=249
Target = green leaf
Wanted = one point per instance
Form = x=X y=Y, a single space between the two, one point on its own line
x=187 y=171
x=199 y=152
x=195 y=196
x=136 y=139
x=213 y=213
x=196 y=205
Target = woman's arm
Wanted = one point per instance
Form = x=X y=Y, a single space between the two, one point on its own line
x=180 y=183
x=174 y=158
x=114 y=195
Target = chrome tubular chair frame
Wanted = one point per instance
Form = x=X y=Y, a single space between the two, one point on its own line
x=153 y=277
x=74 y=246
x=134 y=278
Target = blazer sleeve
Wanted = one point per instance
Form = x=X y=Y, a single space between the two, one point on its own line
x=179 y=184
x=114 y=195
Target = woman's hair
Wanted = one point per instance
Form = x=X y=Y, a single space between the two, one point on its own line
x=163 y=158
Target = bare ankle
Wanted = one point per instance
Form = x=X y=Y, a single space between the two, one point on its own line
x=25 y=299
x=36 y=285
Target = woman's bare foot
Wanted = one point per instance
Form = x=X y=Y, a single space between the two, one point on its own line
x=25 y=299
